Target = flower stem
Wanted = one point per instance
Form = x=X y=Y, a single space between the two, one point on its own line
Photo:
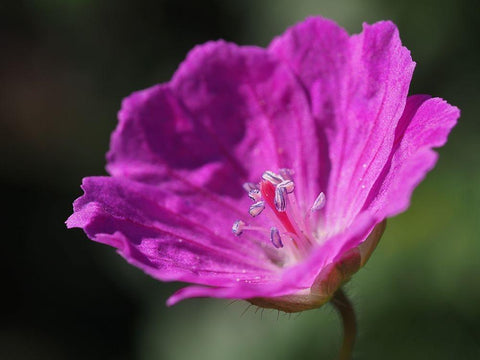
x=345 y=308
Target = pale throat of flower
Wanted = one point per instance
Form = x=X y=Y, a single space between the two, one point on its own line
x=292 y=226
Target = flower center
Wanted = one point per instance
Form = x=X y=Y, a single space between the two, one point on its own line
x=275 y=196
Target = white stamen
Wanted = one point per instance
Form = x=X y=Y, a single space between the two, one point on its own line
x=286 y=174
x=256 y=208
x=255 y=228
x=275 y=238
x=255 y=195
x=319 y=202
x=249 y=186
x=288 y=185
x=272 y=177
x=279 y=200
x=237 y=227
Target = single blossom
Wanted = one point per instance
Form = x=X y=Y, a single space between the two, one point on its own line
x=267 y=174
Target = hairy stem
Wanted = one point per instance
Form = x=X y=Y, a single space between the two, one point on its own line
x=345 y=309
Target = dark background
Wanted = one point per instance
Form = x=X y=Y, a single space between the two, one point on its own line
x=64 y=68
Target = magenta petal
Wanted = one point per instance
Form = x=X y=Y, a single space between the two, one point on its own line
x=157 y=140
x=425 y=123
x=317 y=52
x=237 y=109
x=255 y=109
x=358 y=87
x=295 y=279
x=149 y=228
x=376 y=105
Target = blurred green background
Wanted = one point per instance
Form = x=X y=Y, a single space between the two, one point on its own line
x=66 y=65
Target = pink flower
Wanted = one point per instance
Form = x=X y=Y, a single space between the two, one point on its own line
x=303 y=149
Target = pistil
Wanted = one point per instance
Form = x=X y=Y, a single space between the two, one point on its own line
x=268 y=192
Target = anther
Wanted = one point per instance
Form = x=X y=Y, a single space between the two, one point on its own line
x=288 y=185
x=256 y=208
x=249 y=186
x=255 y=195
x=319 y=202
x=270 y=176
x=275 y=238
x=279 y=199
x=237 y=227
